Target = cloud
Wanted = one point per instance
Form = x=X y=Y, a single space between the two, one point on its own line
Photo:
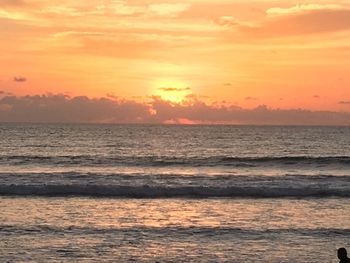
x=19 y=79
x=293 y=21
x=15 y=10
x=11 y=2
x=170 y=89
x=112 y=96
x=5 y=93
x=226 y=21
x=168 y=9
x=61 y=10
x=319 y=21
x=13 y=15
x=77 y=33
x=122 y=8
x=59 y=108
x=301 y=8
x=125 y=9
x=250 y=98
x=199 y=112
x=344 y=102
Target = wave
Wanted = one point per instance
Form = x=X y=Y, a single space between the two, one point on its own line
x=146 y=191
x=163 y=161
x=205 y=230
x=155 y=185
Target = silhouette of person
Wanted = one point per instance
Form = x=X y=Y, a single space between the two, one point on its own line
x=343 y=255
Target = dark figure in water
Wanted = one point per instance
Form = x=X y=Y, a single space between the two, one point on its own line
x=343 y=255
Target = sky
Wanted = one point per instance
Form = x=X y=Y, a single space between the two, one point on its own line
x=166 y=61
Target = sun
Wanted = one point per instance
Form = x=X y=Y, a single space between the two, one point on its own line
x=171 y=90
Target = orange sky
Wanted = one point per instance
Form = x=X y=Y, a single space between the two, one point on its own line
x=284 y=54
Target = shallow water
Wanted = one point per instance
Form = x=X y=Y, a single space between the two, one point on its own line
x=173 y=230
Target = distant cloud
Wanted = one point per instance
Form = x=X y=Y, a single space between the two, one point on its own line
x=174 y=89
x=347 y=102
x=316 y=96
x=250 y=98
x=19 y=79
x=61 y=108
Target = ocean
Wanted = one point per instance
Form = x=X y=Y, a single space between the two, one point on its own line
x=173 y=193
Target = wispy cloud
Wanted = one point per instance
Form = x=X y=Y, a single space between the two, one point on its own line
x=120 y=8
x=13 y=15
x=168 y=9
x=61 y=10
x=302 y=8
x=292 y=21
x=301 y=23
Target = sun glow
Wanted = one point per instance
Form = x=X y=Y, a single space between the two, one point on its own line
x=171 y=90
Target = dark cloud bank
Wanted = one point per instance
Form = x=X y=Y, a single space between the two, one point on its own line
x=65 y=109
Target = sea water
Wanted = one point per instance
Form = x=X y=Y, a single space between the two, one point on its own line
x=172 y=193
